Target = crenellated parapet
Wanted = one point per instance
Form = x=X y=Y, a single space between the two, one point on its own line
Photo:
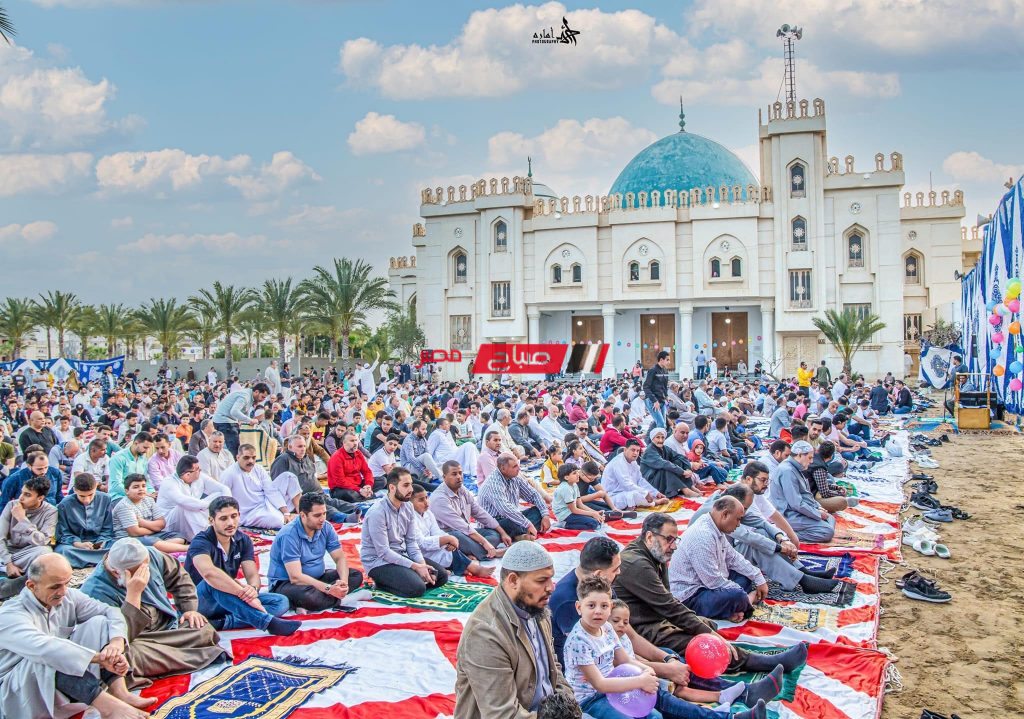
x=481 y=188
x=934 y=199
x=419 y=230
x=401 y=263
x=847 y=167
x=972 y=233
x=802 y=109
x=696 y=197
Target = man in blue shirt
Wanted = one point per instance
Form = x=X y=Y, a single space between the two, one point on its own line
x=214 y=559
x=233 y=411
x=297 y=567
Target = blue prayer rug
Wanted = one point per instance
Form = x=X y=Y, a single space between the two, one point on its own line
x=256 y=687
x=843 y=563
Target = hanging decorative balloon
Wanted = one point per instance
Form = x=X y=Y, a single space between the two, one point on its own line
x=991 y=306
x=1013 y=305
x=696 y=347
x=995 y=320
x=1013 y=287
x=998 y=370
x=998 y=338
x=759 y=338
x=1015 y=385
x=1002 y=310
x=1014 y=328
x=1016 y=366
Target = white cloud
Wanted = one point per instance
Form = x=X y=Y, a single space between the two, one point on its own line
x=319 y=217
x=378 y=133
x=571 y=145
x=42 y=173
x=225 y=243
x=494 y=55
x=282 y=173
x=49 y=106
x=973 y=167
x=162 y=169
x=33 y=232
x=121 y=222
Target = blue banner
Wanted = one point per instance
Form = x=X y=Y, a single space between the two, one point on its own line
x=87 y=370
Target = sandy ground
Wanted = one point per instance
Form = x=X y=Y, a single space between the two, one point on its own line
x=965 y=657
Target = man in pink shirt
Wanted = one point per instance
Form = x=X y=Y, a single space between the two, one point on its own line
x=487 y=462
x=163 y=463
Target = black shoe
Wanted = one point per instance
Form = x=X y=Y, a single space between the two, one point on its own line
x=924 y=501
x=944 y=438
x=930 y=486
x=917 y=588
x=922 y=475
x=629 y=515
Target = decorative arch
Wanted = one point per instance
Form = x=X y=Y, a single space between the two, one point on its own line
x=641 y=258
x=458 y=266
x=499 y=235
x=797 y=174
x=722 y=256
x=798 y=229
x=913 y=268
x=855 y=247
x=563 y=265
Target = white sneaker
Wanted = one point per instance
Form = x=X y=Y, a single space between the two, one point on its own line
x=927 y=463
x=915 y=524
x=912 y=538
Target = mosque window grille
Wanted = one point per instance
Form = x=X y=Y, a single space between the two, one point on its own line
x=500 y=236
x=501 y=299
x=855 y=250
x=800 y=290
x=912 y=269
x=461 y=332
x=461 y=264
x=861 y=309
x=799 y=234
x=912 y=327
x=798 y=180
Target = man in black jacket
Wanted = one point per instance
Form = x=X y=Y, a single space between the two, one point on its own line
x=656 y=388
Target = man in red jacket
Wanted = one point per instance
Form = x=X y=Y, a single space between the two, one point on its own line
x=348 y=474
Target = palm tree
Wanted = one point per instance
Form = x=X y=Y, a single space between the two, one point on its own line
x=281 y=303
x=848 y=332
x=17 y=320
x=113 y=322
x=224 y=305
x=85 y=324
x=166 y=321
x=204 y=331
x=57 y=311
x=340 y=300
x=7 y=30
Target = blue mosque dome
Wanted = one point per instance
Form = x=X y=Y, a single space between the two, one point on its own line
x=682 y=161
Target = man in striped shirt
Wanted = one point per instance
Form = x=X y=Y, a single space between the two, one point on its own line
x=500 y=497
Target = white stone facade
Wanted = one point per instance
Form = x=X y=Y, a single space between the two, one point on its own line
x=684 y=270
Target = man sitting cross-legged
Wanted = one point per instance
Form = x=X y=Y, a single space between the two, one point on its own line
x=501 y=494
x=625 y=483
x=456 y=509
x=297 y=567
x=26 y=528
x=185 y=497
x=791 y=494
x=62 y=650
x=163 y=637
x=85 y=526
x=214 y=560
x=390 y=549
x=138 y=516
x=708 y=575
x=264 y=503
x=438 y=546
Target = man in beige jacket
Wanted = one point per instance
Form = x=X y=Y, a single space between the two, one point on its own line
x=507 y=663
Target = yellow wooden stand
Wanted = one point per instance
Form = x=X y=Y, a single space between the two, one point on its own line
x=972 y=417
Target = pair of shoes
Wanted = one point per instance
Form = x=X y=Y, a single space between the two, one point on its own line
x=921 y=475
x=938 y=515
x=926 y=462
x=928 y=485
x=910 y=575
x=917 y=528
x=956 y=512
x=924 y=501
x=928 y=547
x=925 y=590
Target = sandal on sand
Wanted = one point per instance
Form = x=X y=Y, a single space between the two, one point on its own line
x=915 y=575
x=956 y=512
x=942 y=551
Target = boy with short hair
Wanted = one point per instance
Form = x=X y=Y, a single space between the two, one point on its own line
x=138 y=516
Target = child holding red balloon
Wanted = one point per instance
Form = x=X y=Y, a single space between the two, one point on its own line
x=609 y=683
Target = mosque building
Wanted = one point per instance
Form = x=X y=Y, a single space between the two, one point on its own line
x=689 y=252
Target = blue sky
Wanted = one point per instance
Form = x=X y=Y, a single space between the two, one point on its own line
x=148 y=148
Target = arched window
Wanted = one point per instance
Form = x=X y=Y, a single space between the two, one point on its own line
x=461 y=266
x=797 y=180
x=500 y=236
x=799 y=233
x=716 y=268
x=577 y=272
x=737 y=267
x=912 y=270
x=634 y=271
x=855 y=249
x=556 y=274
x=655 y=271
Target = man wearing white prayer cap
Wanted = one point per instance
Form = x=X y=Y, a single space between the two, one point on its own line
x=507 y=662
x=163 y=638
x=791 y=494
x=665 y=469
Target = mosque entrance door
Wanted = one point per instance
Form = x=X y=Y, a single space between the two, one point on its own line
x=657 y=332
x=587 y=329
x=729 y=332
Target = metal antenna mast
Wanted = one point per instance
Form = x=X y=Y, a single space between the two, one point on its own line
x=789 y=34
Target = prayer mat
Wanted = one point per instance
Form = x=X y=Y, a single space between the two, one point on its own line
x=858 y=540
x=804 y=619
x=843 y=563
x=841 y=597
x=674 y=505
x=266 y=446
x=256 y=687
x=789 y=679
x=452 y=597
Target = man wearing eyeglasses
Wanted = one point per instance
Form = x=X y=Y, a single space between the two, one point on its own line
x=662 y=619
x=583 y=437
x=185 y=498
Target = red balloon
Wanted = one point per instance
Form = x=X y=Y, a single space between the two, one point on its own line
x=707 y=655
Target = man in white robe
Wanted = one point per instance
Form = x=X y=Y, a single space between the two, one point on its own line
x=624 y=482
x=60 y=647
x=441 y=446
x=273 y=377
x=185 y=498
x=262 y=502
x=215 y=459
x=363 y=377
